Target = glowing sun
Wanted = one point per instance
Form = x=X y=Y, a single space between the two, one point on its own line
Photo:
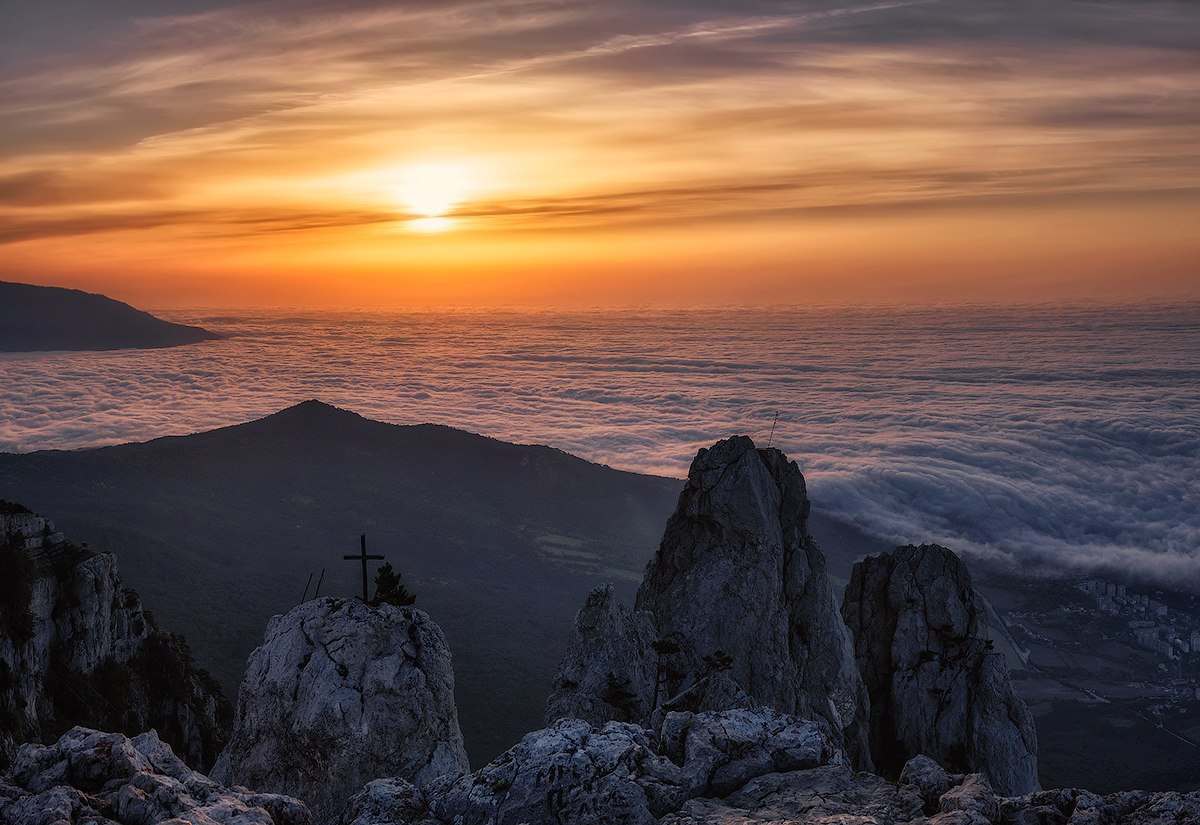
x=432 y=189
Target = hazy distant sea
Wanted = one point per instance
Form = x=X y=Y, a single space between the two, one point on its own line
x=1063 y=435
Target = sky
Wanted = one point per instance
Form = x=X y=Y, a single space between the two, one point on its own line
x=542 y=152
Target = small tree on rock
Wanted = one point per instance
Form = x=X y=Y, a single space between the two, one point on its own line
x=390 y=590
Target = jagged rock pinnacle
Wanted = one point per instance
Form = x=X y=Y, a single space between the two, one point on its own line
x=935 y=687
x=737 y=588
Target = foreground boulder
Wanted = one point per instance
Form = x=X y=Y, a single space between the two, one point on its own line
x=98 y=778
x=388 y=802
x=341 y=693
x=935 y=687
x=832 y=795
x=737 y=588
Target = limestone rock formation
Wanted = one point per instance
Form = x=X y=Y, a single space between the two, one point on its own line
x=388 y=802
x=77 y=648
x=341 y=693
x=619 y=773
x=828 y=795
x=737 y=587
x=728 y=768
x=738 y=573
x=935 y=687
x=104 y=778
x=834 y=796
x=609 y=670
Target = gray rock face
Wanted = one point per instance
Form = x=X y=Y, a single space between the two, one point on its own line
x=737 y=587
x=79 y=632
x=609 y=670
x=935 y=688
x=573 y=772
x=831 y=795
x=97 y=778
x=729 y=768
x=339 y=694
x=387 y=802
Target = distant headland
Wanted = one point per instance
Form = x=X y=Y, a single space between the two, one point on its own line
x=38 y=318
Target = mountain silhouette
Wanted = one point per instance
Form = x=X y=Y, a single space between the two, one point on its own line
x=500 y=542
x=34 y=318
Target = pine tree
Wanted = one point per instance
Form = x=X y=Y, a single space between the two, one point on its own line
x=389 y=589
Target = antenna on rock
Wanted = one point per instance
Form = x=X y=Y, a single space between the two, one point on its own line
x=771 y=437
x=304 y=598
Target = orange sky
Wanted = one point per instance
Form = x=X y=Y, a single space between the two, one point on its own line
x=579 y=153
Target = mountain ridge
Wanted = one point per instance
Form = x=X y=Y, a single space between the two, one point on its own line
x=314 y=412
x=222 y=528
x=36 y=318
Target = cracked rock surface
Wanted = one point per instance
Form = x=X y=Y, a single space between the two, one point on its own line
x=737 y=587
x=609 y=650
x=94 y=778
x=935 y=688
x=620 y=773
x=730 y=768
x=341 y=693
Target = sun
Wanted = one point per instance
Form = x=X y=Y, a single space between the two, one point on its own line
x=432 y=189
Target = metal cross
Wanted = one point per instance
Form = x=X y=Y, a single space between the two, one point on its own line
x=364 y=558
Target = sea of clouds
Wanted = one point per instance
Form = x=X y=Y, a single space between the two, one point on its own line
x=1067 y=438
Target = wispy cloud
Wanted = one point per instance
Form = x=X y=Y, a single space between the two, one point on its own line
x=585 y=115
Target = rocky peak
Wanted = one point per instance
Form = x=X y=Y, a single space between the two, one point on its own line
x=737 y=587
x=935 y=687
x=609 y=671
x=341 y=693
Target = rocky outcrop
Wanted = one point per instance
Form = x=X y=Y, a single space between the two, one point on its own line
x=728 y=768
x=609 y=671
x=78 y=648
x=832 y=795
x=104 y=778
x=341 y=693
x=737 y=587
x=835 y=796
x=618 y=773
x=935 y=687
x=388 y=802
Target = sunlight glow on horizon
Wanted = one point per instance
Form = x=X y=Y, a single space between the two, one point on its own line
x=509 y=152
x=432 y=188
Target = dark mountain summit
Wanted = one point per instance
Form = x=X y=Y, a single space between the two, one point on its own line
x=500 y=542
x=53 y=318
